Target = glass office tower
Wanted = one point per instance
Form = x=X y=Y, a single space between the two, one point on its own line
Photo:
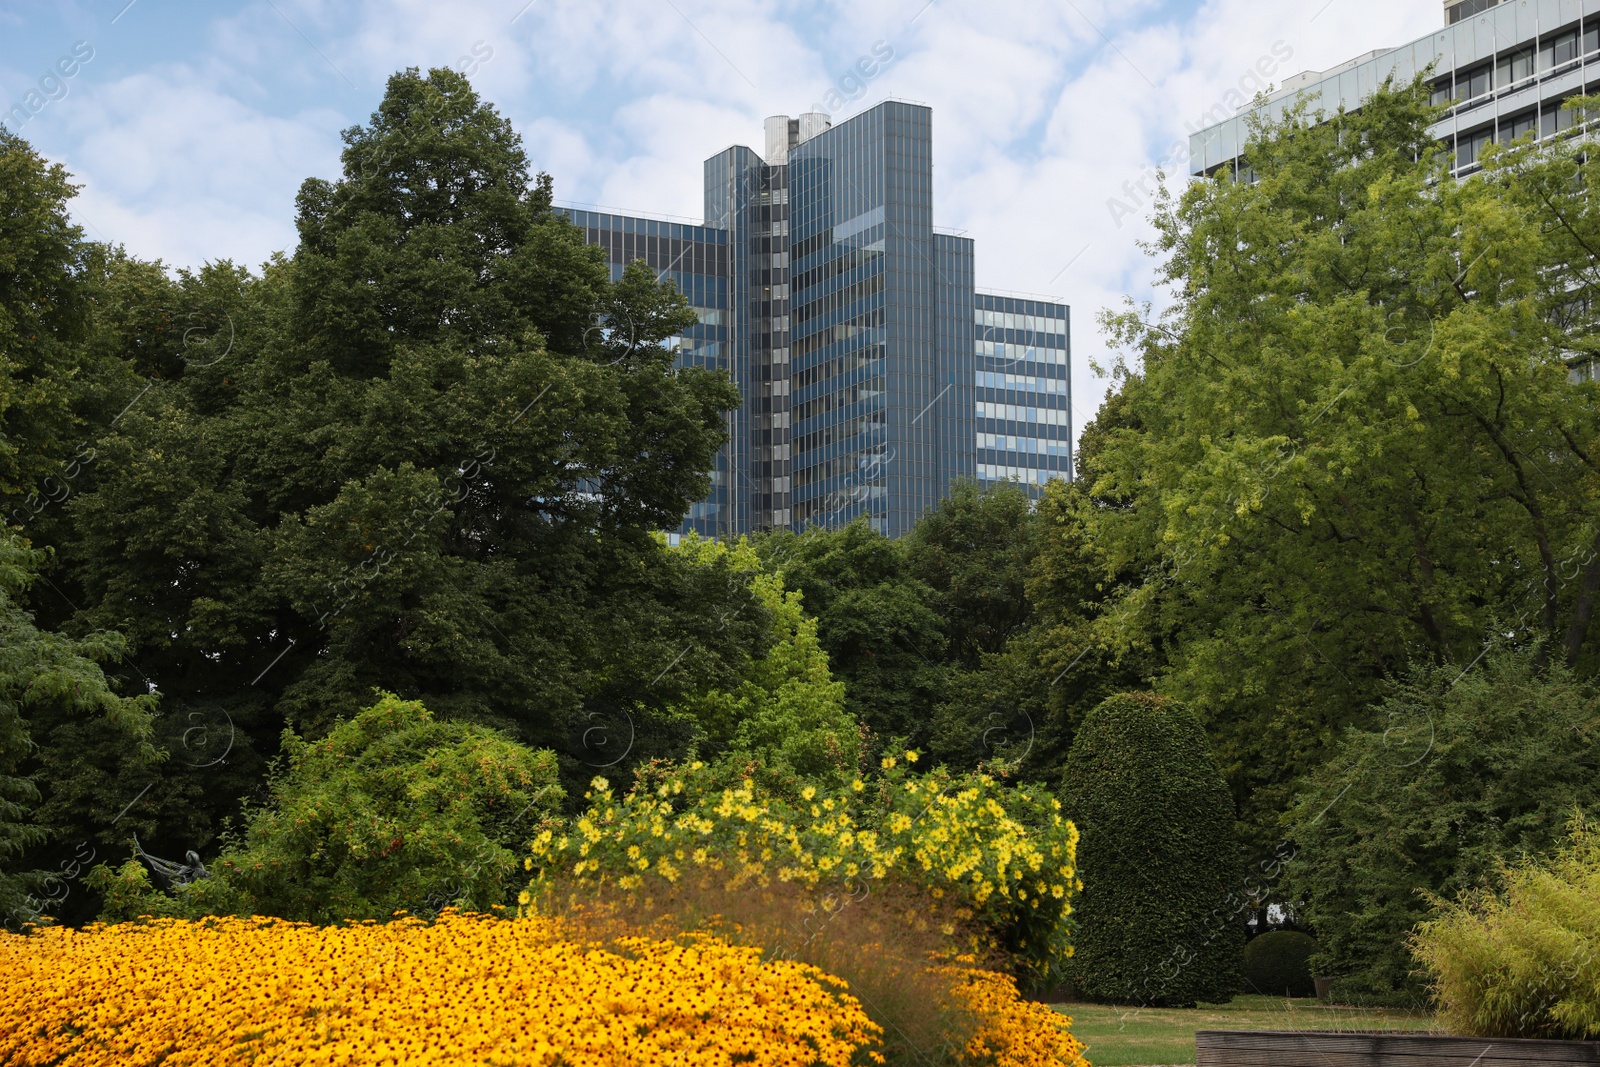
x=853 y=330
x=866 y=360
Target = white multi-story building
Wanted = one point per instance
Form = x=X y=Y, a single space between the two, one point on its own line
x=1504 y=66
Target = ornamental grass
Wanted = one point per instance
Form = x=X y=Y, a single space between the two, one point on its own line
x=1522 y=959
x=915 y=959
x=464 y=989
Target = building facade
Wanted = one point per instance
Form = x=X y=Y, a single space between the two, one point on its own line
x=1024 y=390
x=1504 y=66
x=873 y=373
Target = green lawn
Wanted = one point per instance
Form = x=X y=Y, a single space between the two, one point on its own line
x=1120 y=1036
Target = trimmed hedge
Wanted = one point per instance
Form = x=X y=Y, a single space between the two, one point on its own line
x=1158 y=921
x=1278 y=962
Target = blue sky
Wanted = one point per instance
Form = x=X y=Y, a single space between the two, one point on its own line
x=191 y=125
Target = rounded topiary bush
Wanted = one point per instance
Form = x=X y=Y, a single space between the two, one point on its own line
x=1278 y=963
x=1158 y=920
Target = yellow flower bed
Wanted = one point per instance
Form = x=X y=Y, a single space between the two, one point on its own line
x=467 y=989
x=1013 y=1032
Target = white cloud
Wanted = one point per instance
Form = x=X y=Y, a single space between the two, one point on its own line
x=177 y=170
x=1038 y=120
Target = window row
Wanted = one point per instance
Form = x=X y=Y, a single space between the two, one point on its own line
x=872 y=426
x=1005 y=320
x=837 y=265
x=865 y=289
x=862 y=467
x=1023 y=382
x=1546 y=120
x=862 y=357
x=861 y=230
x=869 y=320
x=1038 y=446
x=1468 y=8
x=871 y=389
x=1008 y=353
x=1022 y=413
x=994 y=472
x=1517 y=65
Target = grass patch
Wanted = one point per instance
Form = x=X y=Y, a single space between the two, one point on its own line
x=1121 y=1036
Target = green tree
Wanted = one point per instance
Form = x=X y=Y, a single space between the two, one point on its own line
x=1157 y=923
x=973 y=550
x=1024 y=702
x=1457 y=774
x=786 y=720
x=876 y=623
x=43 y=314
x=51 y=382
x=392 y=810
x=426 y=453
x=40 y=672
x=1352 y=439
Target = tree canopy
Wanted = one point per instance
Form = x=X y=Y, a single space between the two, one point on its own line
x=1354 y=438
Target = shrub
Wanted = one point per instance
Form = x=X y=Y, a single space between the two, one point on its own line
x=393 y=810
x=1157 y=857
x=1458 y=773
x=466 y=989
x=1278 y=963
x=1004 y=853
x=1524 y=961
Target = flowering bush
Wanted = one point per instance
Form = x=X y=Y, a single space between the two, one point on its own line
x=1005 y=852
x=467 y=989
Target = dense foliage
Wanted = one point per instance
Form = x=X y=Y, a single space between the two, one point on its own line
x=884 y=637
x=44 y=672
x=1278 y=963
x=1458 y=773
x=786 y=719
x=1351 y=439
x=1158 y=857
x=391 y=811
x=411 y=456
x=1521 y=957
x=45 y=675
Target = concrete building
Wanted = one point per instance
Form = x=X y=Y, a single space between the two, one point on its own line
x=1503 y=66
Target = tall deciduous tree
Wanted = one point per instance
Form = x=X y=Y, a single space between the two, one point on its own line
x=426 y=453
x=49 y=380
x=1352 y=437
